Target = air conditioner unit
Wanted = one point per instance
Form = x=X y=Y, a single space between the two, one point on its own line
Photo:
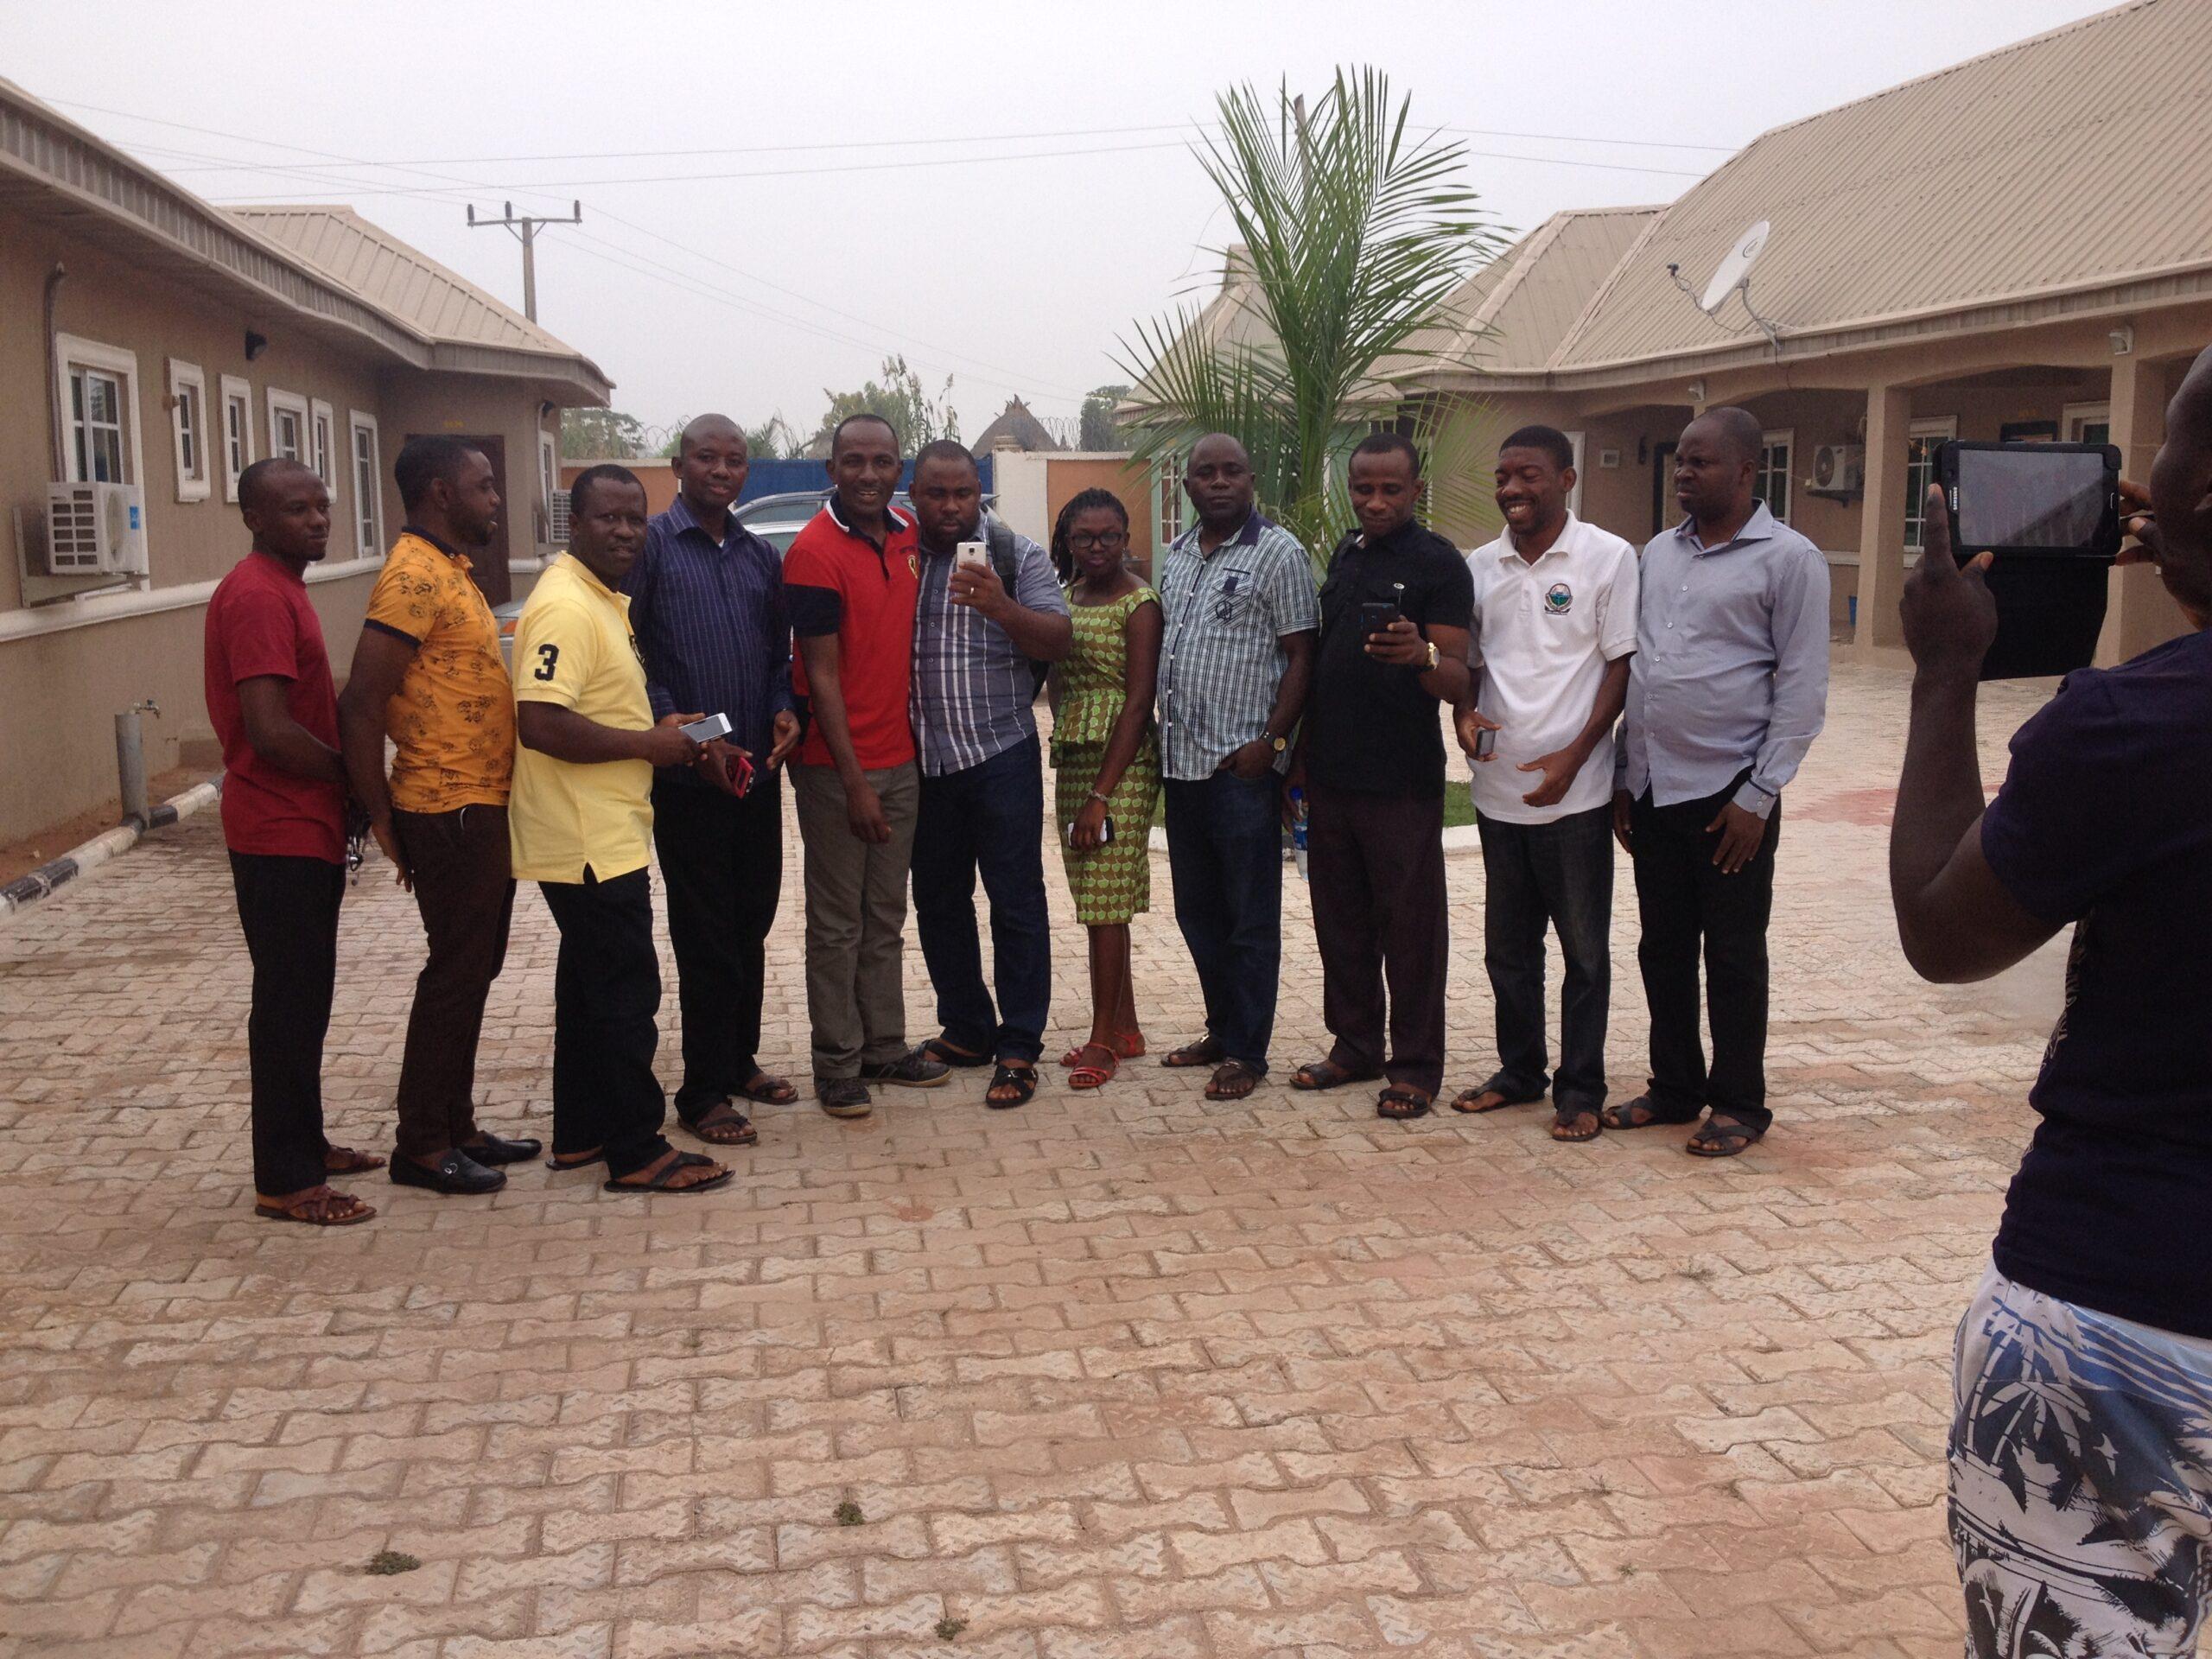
x=1838 y=469
x=95 y=529
x=557 y=517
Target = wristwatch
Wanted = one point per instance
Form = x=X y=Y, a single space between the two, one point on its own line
x=1278 y=744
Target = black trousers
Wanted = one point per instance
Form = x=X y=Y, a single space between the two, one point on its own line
x=1537 y=877
x=723 y=858
x=459 y=862
x=606 y=994
x=287 y=909
x=1686 y=905
x=1377 y=864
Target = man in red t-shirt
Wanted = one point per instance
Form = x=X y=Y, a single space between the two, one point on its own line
x=271 y=699
x=850 y=581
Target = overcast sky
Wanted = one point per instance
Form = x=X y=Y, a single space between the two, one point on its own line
x=827 y=224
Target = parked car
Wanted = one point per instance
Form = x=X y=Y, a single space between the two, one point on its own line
x=777 y=520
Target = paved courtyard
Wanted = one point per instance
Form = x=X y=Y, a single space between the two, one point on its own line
x=1130 y=1375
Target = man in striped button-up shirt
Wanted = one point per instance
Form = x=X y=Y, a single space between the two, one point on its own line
x=982 y=795
x=1241 y=618
x=707 y=605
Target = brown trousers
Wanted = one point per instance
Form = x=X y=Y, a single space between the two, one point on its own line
x=1377 y=866
x=459 y=862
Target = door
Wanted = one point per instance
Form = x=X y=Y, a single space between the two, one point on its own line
x=490 y=568
x=1664 y=513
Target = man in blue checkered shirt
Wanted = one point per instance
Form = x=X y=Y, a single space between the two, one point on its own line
x=1242 y=618
x=978 y=628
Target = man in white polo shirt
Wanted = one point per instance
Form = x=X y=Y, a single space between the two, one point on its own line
x=1555 y=607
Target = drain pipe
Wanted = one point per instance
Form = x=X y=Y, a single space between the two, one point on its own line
x=130 y=760
x=56 y=416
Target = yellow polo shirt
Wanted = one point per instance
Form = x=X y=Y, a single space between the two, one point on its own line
x=574 y=648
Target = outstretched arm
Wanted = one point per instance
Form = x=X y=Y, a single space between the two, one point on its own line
x=1955 y=919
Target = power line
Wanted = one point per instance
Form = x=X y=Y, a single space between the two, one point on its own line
x=662 y=272
x=899 y=143
x=893 y=165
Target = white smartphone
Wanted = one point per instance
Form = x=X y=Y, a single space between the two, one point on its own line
x=708 y=729
x=970 y=553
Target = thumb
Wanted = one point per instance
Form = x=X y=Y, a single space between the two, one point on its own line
x=1529 y=765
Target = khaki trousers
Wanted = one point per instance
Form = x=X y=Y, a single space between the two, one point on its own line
x=855 y=912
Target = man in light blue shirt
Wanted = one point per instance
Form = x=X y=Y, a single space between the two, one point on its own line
x=1726 y=691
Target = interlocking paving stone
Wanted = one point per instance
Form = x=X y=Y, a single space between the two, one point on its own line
x=1121 y=1374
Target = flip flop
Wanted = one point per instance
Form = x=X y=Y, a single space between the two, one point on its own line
x=1722 y=1140
x=937 y=1049
x=1205 y=1051
x=562 y=1165
x=1402 y=1105
x=1563 y=1121
x=723 y=1125
x=765 y=1091
x=660 y=1182
x=1327 y=1074
x=296 y=1208
x=1465 y=1099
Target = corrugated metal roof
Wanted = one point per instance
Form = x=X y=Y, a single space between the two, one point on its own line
x=2078 y=158
x=1513 y=313
x=385 y=271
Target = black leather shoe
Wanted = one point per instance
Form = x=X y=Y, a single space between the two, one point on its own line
x=498 y=1149
x=457 y=1175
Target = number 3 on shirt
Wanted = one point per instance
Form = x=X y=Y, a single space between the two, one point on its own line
x=548 y=655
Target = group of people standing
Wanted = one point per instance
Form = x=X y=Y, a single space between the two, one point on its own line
x=891 y=661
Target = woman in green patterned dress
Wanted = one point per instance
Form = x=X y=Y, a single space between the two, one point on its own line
x=1106 y=752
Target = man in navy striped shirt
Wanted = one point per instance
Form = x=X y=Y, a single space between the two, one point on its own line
x=707 y=604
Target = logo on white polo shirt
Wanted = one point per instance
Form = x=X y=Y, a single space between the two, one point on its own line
x=1559 y=599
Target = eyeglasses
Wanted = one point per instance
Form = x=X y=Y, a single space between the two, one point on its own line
x=1112 y=541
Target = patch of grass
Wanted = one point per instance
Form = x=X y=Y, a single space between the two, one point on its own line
x=387 y=1563
x=948 y=1628
x=847 y=1514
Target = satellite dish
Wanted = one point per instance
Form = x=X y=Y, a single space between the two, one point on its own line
x=1735 y=268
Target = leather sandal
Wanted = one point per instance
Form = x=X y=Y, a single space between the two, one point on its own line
x=1327 y=1074
x=1399 y=1102
x=319 y=1206
x=1021 y=1080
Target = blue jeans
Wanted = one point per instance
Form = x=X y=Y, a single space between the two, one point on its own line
x=1224 y=850
x=987 y=817
x=1558 y=874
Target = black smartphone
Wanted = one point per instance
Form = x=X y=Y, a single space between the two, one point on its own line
x=2050 y=513
x=1376 y=615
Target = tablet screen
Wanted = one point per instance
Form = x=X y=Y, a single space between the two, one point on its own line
x=2031 y=496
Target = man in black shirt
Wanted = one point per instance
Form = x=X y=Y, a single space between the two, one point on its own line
x=1394 y=615
x=2080 y=1486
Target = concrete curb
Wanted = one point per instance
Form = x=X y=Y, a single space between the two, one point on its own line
x=50 y=877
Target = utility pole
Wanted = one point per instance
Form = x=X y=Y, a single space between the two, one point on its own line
x=1305 y=145
x=525 y=229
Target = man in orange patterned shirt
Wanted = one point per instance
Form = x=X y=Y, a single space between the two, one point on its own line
x=427 y=674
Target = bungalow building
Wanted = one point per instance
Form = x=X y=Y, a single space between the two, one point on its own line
x=2017 y=246
x=157 y=346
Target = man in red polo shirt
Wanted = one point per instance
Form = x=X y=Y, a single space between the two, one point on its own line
x=850 y=581
x=272 y=704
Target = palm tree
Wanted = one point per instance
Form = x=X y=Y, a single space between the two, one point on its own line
x=1352 y=231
